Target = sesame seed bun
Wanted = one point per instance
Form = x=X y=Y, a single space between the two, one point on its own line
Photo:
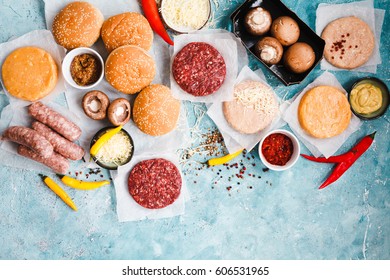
x=77 y=25
x=129 y=69
x=156 y=111
x=127 y=29
x=29 y=73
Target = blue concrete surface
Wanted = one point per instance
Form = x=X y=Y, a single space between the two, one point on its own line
x=278 y=216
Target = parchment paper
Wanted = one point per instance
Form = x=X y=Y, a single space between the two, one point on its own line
x=235 y=140
x=129 y=210
x=318 y=147
x=365 y=11
x=44 y=40
x=20 y=117
x=227 y=47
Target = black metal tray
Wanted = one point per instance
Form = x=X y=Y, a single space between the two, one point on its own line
x=276 y=9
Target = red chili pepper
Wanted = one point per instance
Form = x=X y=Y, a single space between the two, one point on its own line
x=344 y=161
x=153 y=16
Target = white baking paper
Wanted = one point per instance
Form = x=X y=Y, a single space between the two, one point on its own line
x=235 y=140
x=318 y=147
x=143 y=144
x=129 y=210
x=365 y=11
x=227 y=47
x=42 y=39
x=20 y=117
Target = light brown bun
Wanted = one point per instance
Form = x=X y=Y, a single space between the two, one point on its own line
x=269 y=50
x=299 y=57
x=127 y=29
x=349 y=42
x=129 y=69
x=324 y=112
x=254 y=107
x=29 y=73
x=156 y=111
x=77 y=25
x=258 y=21
x=286 y=30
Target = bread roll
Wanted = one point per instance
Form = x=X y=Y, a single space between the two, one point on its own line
x=77 y=25
x=29 y=73
x=129 y=69
x=324 y=112
x=156 y=111
x=127 y=29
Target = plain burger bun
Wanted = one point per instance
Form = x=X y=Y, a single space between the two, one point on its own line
x=127 y=29
x=156 y=111
x=299 y=57
x=129 y=69
x=77 y=25
x=29 y=73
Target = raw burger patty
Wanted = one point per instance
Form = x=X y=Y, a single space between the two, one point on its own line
x=154 y=183
x=349 y=42
x=199 y=69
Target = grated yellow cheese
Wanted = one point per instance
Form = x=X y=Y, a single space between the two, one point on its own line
x=116 y=150
x=185 y=15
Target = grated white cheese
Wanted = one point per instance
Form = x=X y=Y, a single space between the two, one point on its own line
x=259 y=99
x=185 y=15
x=116 y=150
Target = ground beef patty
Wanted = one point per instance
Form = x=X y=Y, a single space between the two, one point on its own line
x=155 y=183
x=199 y=69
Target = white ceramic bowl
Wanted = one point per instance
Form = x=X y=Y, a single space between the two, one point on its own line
x=68 y=60
x=294 y=156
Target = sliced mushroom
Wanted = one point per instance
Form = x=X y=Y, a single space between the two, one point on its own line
x=119 y=111
x=95 y=104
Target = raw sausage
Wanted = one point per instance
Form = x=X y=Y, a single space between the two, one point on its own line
x=61 y=145
x=29 y=138
x=155 y=183
x=55 y=121
x=56 y=162
x=199 y=69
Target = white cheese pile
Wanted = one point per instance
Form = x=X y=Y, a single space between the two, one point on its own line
x=260 y=99
x=116 y=150
x=185 y=15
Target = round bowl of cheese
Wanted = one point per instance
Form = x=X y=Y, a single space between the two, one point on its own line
x=185 y=16
x=118 y=150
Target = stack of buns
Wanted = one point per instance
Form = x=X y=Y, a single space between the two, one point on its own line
x=127 y=37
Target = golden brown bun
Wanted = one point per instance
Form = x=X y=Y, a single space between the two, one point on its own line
x=77 y=25
x=129 y=69
x=286 y=30
x=156 y=111
x=324 y=112
x=349 y=42
x=29 y=73
x=299 y=57
x=127 y=29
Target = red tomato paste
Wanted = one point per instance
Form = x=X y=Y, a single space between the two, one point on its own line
x=277 y=149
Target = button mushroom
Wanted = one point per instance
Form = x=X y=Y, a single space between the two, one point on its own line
x=95 y=104
x=119 y=111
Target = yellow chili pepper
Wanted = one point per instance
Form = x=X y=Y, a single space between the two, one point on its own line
x=81 y=185
x=58 y=191
x=224 y=159
x=103 y=139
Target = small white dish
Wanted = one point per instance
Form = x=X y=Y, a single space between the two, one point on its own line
x=68 y=60
x=294 y=156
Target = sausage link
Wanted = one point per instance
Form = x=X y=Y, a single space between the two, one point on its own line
x=55 y=120
x=60 y=144
x=29 y=138
x=56 y=162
